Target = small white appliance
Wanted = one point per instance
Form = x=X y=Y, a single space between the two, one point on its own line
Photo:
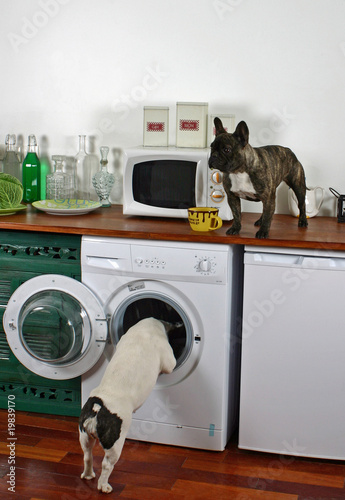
x=293 y=349
x=165 y=182
x=197 y=286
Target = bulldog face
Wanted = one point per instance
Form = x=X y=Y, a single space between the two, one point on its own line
x=227 y=150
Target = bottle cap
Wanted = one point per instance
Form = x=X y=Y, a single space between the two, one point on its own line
x=58 y=158
x=11 y=139
x=32 y=140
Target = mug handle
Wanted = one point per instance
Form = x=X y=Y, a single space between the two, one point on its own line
x=217 y=222
x=322 y=196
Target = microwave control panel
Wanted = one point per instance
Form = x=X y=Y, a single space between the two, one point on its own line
x=217 y=195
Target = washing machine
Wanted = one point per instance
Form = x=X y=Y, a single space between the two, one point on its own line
x=61 y=328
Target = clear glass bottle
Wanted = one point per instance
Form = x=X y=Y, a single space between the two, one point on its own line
x=59 y=185
x=103 y=180
x=31 y=173
x=11 y=163
x=82 y=180
x=45 y=165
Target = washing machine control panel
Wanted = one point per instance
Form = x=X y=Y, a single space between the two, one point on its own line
x=184 y=261
x=150 y=263
x=180 y=263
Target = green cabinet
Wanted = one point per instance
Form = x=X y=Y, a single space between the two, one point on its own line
x=23 y=255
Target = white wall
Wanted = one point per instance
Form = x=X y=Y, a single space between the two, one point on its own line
x=83 y=66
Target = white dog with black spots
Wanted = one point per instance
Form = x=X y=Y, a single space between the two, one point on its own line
x=141 y=355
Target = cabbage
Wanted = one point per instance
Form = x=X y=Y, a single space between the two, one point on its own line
x=11 y=191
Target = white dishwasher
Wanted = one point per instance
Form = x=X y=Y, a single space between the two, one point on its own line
x=293 y=352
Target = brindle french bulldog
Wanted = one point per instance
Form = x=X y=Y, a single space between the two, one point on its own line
x=254 y=174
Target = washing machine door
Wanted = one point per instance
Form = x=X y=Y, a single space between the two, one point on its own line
x=141 y=299
x=55 y=326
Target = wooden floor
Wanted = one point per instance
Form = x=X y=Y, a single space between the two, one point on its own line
x=48 y=463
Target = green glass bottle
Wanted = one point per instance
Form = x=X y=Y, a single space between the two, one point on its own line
x=31 y=173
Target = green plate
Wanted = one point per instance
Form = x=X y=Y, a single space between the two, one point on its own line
x=68 y=206
x=10 y=211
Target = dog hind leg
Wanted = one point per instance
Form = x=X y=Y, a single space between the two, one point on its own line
x=87 y=443
x=296 y=181
x=297 y=184
x=111 y=456
x=302 y=219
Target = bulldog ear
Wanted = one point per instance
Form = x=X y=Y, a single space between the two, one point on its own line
x=242 y=133
x=219 y=126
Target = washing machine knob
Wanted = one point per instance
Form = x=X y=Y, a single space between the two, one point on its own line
x=205 y=265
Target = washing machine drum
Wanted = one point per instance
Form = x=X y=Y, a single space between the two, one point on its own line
x=162 y=308
x=138 y=300
x=55 y=326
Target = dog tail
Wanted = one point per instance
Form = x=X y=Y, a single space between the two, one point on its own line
x=97 y=421
x=88 y=416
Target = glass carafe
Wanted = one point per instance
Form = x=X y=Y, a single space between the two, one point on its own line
x=82 y=181
x=45 y=165
x=59 y=183
x=11 y=163
x=103 y=180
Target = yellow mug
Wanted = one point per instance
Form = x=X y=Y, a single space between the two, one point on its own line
x=204 y=218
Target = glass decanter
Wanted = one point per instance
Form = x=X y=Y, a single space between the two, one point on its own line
x=81 y=172
x=103 y=180
x=59 y=183
x=11 y=163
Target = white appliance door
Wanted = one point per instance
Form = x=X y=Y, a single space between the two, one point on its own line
x=139 y=299
x=55 y=326
x=292 y=381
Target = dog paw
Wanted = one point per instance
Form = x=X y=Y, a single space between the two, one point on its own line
x=105 y=488
x=233 y=230
x=262 y=234
x=302 y=223
x=87 y=475
x=258 y=222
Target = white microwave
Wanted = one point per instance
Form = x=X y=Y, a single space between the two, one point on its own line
x=165 y=182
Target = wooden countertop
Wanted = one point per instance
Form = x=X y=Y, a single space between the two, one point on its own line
x=322 y=233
